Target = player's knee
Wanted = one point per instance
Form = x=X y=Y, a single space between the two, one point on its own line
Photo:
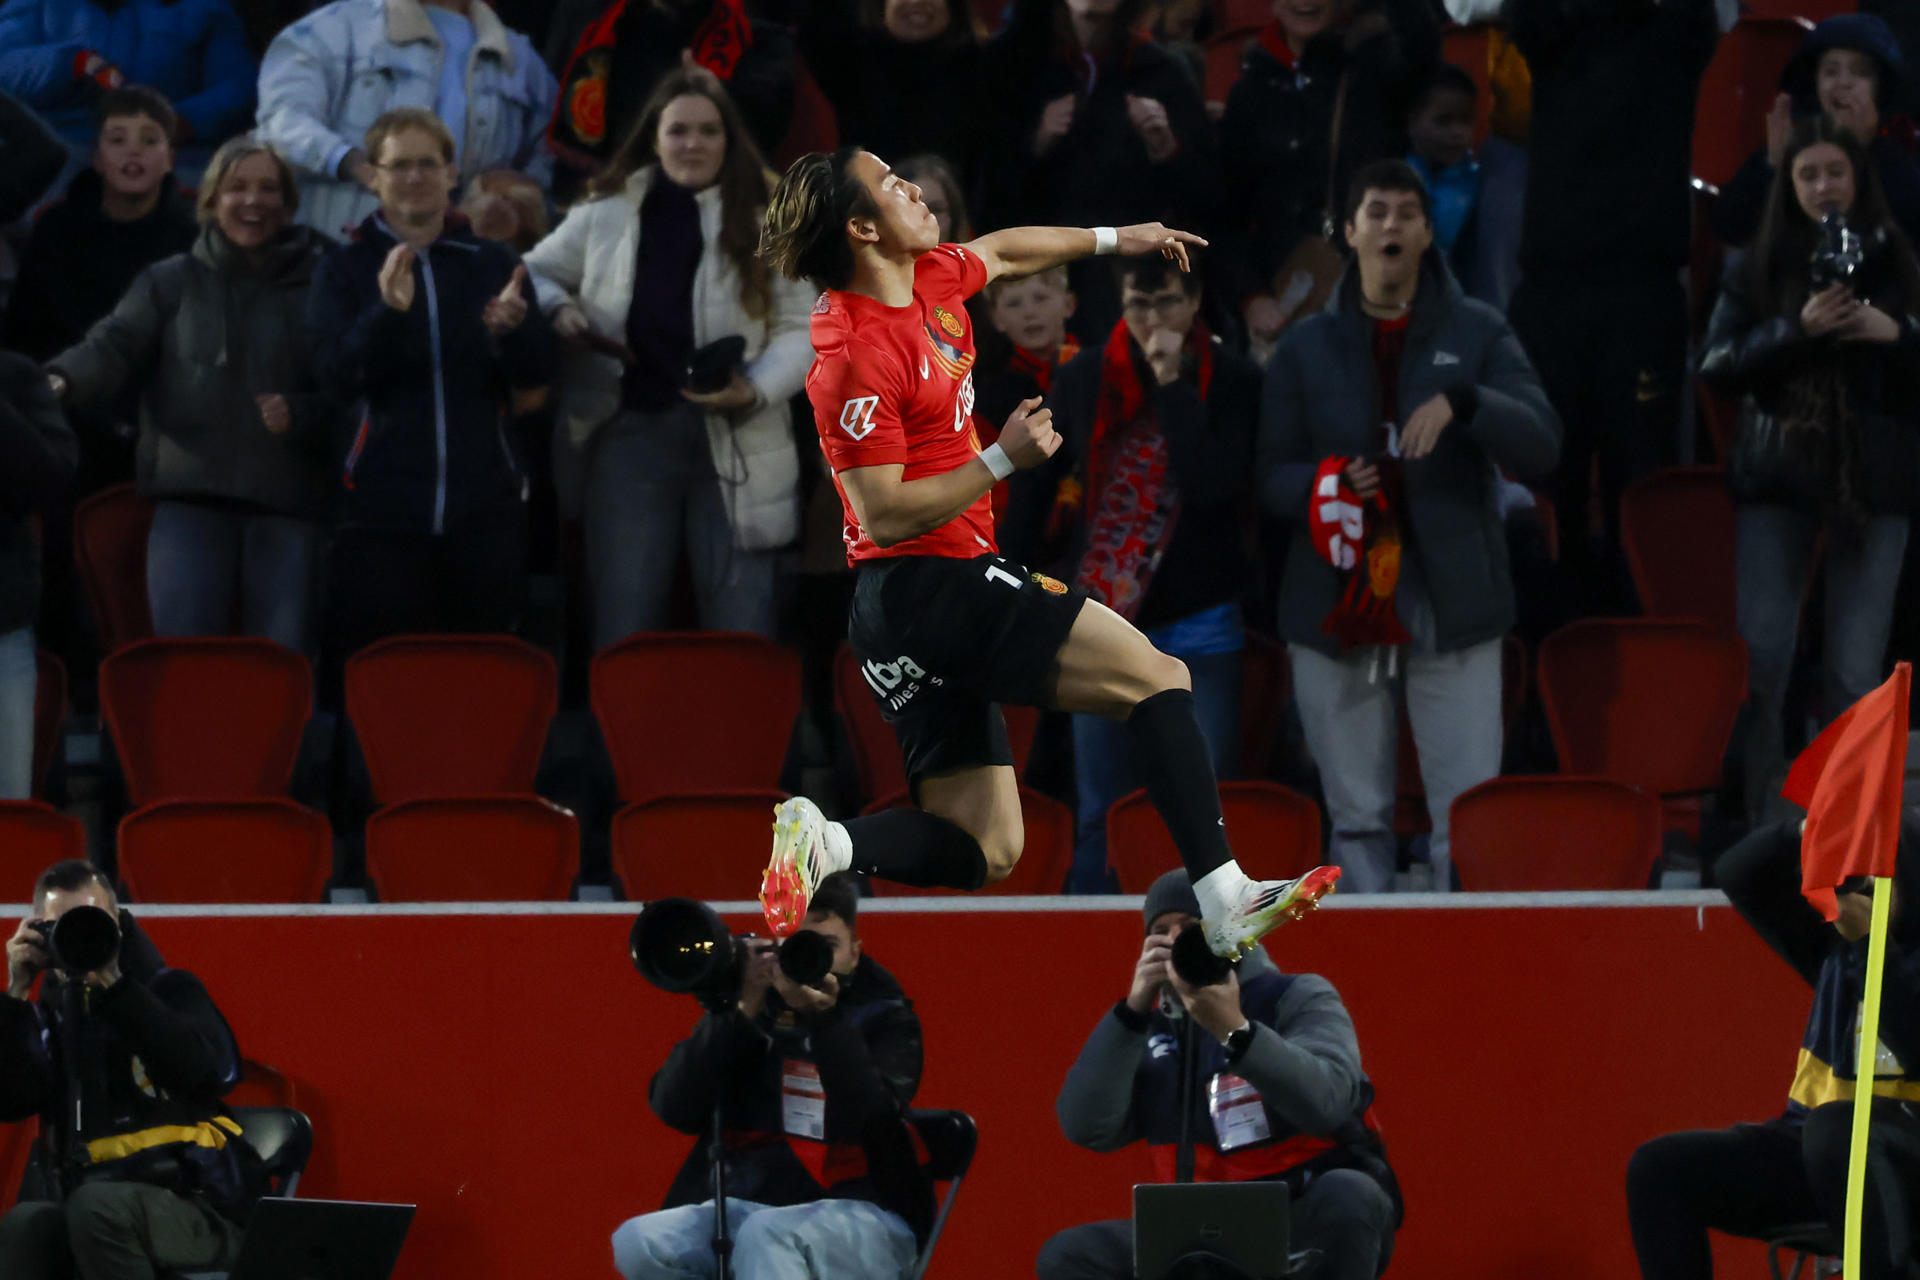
x=1158 y=673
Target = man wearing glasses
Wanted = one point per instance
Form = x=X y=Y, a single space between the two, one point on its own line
x=1142 y=508
x=430 y=328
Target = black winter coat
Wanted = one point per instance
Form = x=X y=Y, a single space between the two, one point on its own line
x=1210 y=449
x=150 y=1052
x=1614 y=86
x=38 y=452
x=1321 y=400
x=1753 y=357
x=201 y=336
x=431 y=452
x=1275 y=136
x=867 y=1050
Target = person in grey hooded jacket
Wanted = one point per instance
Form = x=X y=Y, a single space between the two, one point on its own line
x=1384 y=425
x=233 y=425
x=1277 y=1093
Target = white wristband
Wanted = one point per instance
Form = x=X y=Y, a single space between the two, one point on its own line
x=1105 y=240
x=997 y=461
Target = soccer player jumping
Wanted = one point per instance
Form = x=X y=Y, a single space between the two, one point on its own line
x=943 y=626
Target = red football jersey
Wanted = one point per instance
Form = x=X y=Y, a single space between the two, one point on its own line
x=895 y=385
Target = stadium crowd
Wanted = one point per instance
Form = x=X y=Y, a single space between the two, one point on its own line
x=426 y=316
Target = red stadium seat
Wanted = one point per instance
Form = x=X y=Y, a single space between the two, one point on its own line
x=1555 y=833
x=876 y=752
x=1676 y=527
x=263 y=1086
x=712 y=847
x=812 y=126
x=16 y=1144
x=1044 y=861
x=49 y=714
x=204 y=718
x=473 y=849
x=110 y=550
x=1641 y=700
x=451 y=715
x=695 y=711
x=1468 y=49
x=205 y=851
x=1275 y=834
x=34 y=836
x=1738 y=90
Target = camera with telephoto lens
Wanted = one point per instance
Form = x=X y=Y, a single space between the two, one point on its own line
x=1838 y=256
x=682 y=946
x=80 y=941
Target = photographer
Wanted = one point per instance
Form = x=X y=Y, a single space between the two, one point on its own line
x=1760 y=1180
x=138 y=1166
x=814 y=1082
x=1816 y=334
x=1288 y=1038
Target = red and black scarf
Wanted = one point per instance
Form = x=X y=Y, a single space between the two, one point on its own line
x=1274 y=41
x=1136 y=503
x=1360 y=538
x=1038 y=367
x=579 y=127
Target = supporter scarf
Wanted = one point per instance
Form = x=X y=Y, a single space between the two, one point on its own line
x=1351 y=534
x=580 y=116
x=1039 y=368
x=1136 y=502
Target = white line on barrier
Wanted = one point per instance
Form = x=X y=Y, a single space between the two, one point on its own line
x=1694 y=899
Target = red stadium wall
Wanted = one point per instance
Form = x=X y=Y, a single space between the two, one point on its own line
x=493 y=1068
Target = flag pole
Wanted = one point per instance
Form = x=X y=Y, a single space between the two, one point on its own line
x=1867 y=1058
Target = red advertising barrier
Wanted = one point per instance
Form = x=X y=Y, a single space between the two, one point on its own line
x=493 y=1068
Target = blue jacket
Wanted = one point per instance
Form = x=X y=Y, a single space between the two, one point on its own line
x=193 y=51
x=429 y=449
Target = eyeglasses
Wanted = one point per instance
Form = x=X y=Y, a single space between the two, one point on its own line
x=427 y=168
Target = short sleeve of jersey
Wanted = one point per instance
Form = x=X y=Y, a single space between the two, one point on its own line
x=947 y=271
x=856 y=395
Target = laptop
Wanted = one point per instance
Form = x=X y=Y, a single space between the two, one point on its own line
x=321 y=1240
x=1243 y=1224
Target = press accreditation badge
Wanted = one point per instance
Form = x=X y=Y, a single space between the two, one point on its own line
x=1239 y=1117
x=803 y=1102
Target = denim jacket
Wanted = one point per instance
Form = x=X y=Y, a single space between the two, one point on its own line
x=329 y=76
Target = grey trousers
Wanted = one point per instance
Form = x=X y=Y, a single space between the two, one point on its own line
x=652 y=496
x=1344 y=1216
x=1350 y=712
x=113 y=1231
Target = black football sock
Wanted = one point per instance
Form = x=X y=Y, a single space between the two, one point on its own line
x=1172 y=756
x=912 y=846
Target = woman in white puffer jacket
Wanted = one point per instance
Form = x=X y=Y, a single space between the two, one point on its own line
x=662 y=262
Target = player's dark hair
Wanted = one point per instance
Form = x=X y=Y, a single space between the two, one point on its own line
x=1152 y=271
x=805 y=237
x=1395 y=177
x=838 y=895
x=138 y=100
x=70 y=876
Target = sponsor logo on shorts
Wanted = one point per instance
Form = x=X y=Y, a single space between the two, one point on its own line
x=1051 y=585
x=895 y=683
x=949 y=322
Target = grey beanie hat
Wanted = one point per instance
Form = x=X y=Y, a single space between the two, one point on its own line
x=1171 y=892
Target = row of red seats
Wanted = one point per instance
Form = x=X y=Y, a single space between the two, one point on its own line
x=452 y=727
x=1536 y=833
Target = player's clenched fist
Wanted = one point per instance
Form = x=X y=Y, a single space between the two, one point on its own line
x=1029 y=438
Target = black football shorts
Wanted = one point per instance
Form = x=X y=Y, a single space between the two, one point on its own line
x=942 y=640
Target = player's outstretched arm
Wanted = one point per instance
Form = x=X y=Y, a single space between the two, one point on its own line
x=1022 y=251
x=893 y=510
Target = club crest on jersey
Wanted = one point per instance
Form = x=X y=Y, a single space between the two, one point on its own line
x=950 y=323
x=1053 y=586
x=951 y=359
